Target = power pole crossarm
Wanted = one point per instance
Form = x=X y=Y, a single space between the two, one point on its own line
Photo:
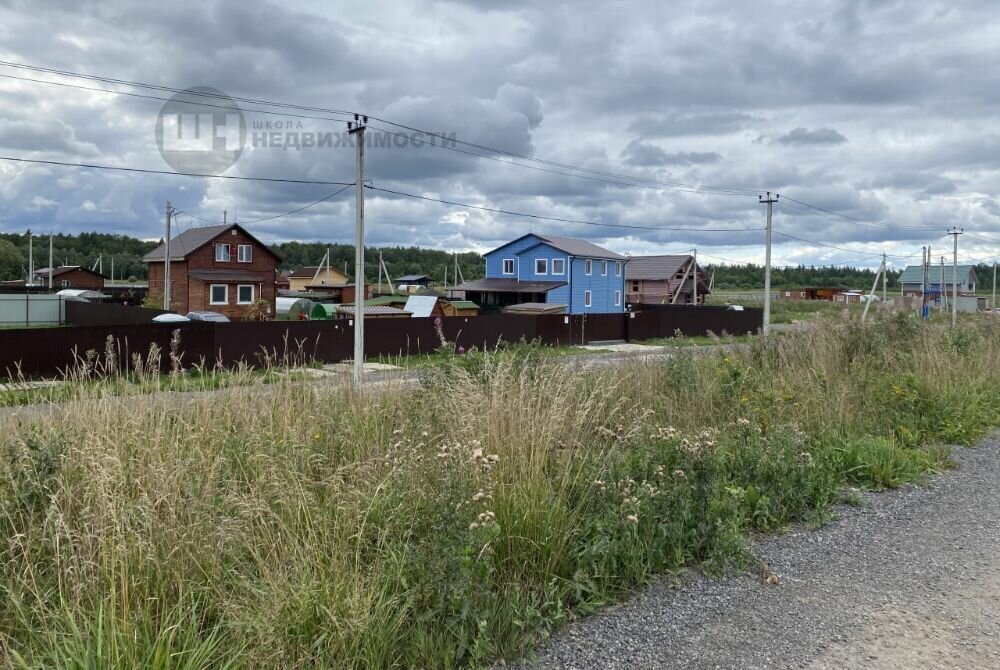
x=769 y=200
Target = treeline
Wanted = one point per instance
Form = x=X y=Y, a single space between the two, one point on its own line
x=752 y=276
x=399 y=261
x=82 y=249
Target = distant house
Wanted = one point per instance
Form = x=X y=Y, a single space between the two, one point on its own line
x=808 y=293
x=373 y=312
x=911 y=279
x=70 y=276
x=215 y=268
x=459 y=308
x=664 y=279
x=580 y=276
x=312 y=276
x=281 y=281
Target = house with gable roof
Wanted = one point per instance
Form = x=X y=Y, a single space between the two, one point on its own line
x=578 y=275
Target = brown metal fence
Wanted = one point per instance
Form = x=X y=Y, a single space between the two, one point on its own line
x=49 y=351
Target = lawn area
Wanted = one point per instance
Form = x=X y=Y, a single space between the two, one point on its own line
x=317 y=527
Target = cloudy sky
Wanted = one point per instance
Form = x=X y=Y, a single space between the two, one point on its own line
x=878 y=110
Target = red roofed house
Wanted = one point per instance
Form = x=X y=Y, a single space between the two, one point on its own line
x=217 y=268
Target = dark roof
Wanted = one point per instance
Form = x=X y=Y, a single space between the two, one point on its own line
x=575 y=247
x=309 y=271
x=374 y=310
x=409 y=278
x=193 y=239
x=463 y=304
x=63 y=269
x=509 y=286
x=655 y=267
x=569 y=245
x=226 y=276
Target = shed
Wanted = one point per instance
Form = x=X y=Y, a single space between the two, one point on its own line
x=459 y=308
x=536 y=308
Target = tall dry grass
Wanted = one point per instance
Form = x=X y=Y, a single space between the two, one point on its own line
x=301 y=525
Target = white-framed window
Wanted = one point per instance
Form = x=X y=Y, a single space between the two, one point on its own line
x=558 y=266
x=541 y=266
x=508 y=266
x=244 y=253
x=221 y=253
x=586 y=298
x=604 y=268
x=244 y=294
x=618 y=269
x=218 y=294
x=65 y=283
x=588 y=266
x=618 y=298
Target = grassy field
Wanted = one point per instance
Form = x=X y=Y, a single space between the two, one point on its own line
x=311 y=527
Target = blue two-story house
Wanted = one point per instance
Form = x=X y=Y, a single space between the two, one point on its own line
x=555 y=274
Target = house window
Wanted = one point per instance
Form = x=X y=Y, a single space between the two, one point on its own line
x=558 y=266
x=588 y=266
x=541 y=266
x=604 y=268
x=65 y=283
x=221 y=253
x=618 y=269
x=245 y=253
x=508 y=266
x=218 y=294
x=586 y=298
x=244 y=294
x=635 y=287
x=618 y=298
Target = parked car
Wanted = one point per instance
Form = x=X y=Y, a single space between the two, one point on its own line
x=170 y=318
x=208 y=316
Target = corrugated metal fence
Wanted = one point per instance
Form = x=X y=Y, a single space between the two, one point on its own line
x=47 y=351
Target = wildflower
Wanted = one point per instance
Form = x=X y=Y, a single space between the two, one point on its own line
x=632 y=519
x=805 y=457
x=473 y=526
x=398 y=431
x=424 y=434
x=477 y=454
x=479 y=496
x=679 y=474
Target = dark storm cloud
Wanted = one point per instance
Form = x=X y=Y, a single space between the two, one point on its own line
x=806 y=136
x=685 y=87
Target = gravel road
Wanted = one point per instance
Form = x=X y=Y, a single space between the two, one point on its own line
x=911 y=579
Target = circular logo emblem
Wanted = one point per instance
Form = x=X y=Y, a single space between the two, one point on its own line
x=200 y=130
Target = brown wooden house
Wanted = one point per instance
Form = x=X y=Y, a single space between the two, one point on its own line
x=70 y=276
x=655 y=280
x=216 y=268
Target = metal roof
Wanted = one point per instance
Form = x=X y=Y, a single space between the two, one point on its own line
x=509 y=286
x=420 y=305
x=409 y=278
x=536 y=308
x=193 y=239
x=569 y=245
x=655 y=267
x=386 y=300
x=913 y=274
x=309 y=271
x=374 y=310
x=463 y=304
x=225 y=276
x=63 y=269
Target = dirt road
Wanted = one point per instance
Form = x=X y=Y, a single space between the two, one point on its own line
x=911 y=579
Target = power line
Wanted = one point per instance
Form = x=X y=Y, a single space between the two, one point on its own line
x=446 y=139
x=94 y=166
x=805 y=207
x=830 y=246
x=276 y=216
x=555 y=218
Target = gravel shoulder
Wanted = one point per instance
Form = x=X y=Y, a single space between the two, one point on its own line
x=910 y=579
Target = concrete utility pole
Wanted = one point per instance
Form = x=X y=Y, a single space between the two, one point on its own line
x=884 y=279
x=871 y=296
x=993 y=300
x=166 y=261
x=944 y=294
x=51 y=260
x=955 y=232
x=767 y=261
x=357 y=129
x=31 y=262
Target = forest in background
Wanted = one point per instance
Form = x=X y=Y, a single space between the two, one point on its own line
x=85 y=248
